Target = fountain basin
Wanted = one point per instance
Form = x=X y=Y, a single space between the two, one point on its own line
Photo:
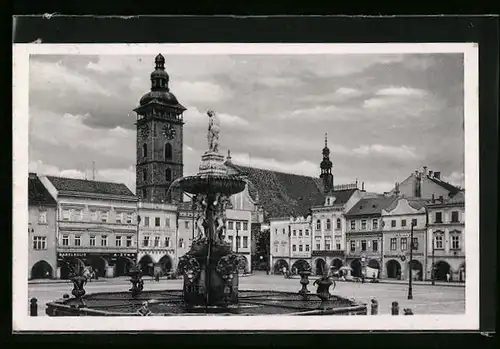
x=171 y=303
x=209 y=184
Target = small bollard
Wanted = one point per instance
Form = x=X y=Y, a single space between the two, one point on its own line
x=395 y=308
x=33 y=307
x=374 y=307
x=407 y=311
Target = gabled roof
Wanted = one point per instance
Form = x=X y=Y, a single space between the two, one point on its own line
x=416 y=203
x=63 y=184
x=281 y=194
x=371 y=206
x=341 y=196
x=37 y=193
x=449 y=187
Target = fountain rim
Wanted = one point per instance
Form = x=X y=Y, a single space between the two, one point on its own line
x=212 y=183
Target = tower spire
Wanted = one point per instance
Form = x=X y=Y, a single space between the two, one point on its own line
x=326 y=167
x=326 y=140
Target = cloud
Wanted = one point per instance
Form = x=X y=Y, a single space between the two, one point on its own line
x=271 y=81
x=304 y=167
x=199 y=91
x=401 y=152
x=401 y=91
x=456 y=178
x=195 y=117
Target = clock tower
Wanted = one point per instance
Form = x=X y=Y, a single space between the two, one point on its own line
x=159 y=140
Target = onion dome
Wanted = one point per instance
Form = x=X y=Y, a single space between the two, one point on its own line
x=159 y=85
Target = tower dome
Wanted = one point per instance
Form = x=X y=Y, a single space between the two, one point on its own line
x=159 y=85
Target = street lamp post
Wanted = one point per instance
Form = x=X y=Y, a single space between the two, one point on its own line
x=410 y=289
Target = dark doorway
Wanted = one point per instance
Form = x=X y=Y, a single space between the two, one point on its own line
x=301 y=265
x=41 y=270
x=146 y=264
x=393 y=269
x=337 y=264
x=356 y=268
x=278 y=266
x=69 y=266
x=166 y=264
x=416 y=270
x=123 y=265
x=442 y=268
x=320 y=266
x=98 y=264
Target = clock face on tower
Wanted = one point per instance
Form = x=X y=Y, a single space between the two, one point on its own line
x=169 y=132
x=145 y=131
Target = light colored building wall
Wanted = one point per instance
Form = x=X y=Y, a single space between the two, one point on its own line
x=42 y=237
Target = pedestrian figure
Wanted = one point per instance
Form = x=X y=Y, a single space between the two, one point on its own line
x=447 y=277
x=96 y=273
x=157 y=277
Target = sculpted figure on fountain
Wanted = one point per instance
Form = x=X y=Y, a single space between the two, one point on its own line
x=213 y=132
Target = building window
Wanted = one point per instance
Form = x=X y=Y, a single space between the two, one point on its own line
x=245 y=241
x=438 y=241
x=231 y=240
x=318 y=225
x=414 y=222
x=393 y=223
x=118 y=241
x=104 y=216
x=353 y=245
x=318 y=244
x=145 y=242
x=157 y=241
x=118 y=217
x=42 y=217
x=168 y=175
x=403 y=243
x=294 y=248
x=307 y=232
x=339 y=223
x=300 y=232
x=144 y=193
x=300 y=248
x=167 y=241
x=238 y=241
x=65 y=240
x=146 y=221
x=363 y=245
x=129 y=218
x=403 y=222
x=414 y=244
x=144 y=175
x=238 y=225
x=276 y=248
x=39 y=242
x=66 y=215
x=327 y=244
x=438 y=217
x=230 y=225
x=186 y=224
x=307 y=248
x=167 y=222
x=129 y=241
x=394 y=244
x=455 y=242
x=363 y=224
x=181 y=243
x=77 y=240
x=454 y=217
x=375 y=245
x=328 y=224
x=353 y=224
x=157 y=221
x=294 y=232
x=337 y=246
x=284 y=231
x=104 y=240
x=92 y=240
x=245 y=225
x=276 y=231
x=168 y=151
x=93 y=215
x=78 y=215
x=144 y=150
x=375 y=224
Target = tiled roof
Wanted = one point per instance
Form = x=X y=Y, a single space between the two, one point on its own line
x=451 y=188
x=282 y=194
x=371 y=206
x=86 y=186
x=37 y=193
x=416 y=203
x=342 y=196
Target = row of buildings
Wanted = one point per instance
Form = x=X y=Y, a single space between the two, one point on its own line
x=310 y=221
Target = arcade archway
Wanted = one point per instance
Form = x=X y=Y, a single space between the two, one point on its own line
x=416 y=270
x=147 y=266
x=123 y=265
x=41 y=270
x=441 y=269
x=69 y=266
x=393 y=269
x=337 y=264
x=301 y=265
x=356 y=268
x=278 y=266
x=98 y=264
x=166 y=264
x=320 y=266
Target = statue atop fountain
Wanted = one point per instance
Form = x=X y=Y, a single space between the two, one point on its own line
x=213 y=132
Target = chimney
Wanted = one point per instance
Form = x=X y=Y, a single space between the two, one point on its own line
x=396 y=189
x=228 y=159
x=433 y=199
x=362 y=186
x=437 y=175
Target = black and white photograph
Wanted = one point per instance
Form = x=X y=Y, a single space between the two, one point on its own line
x=217 y=186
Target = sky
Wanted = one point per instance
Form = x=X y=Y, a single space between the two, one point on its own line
x=385 y=115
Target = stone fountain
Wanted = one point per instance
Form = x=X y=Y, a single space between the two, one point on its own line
x=210 y=269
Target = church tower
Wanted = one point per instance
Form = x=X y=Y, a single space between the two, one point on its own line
x=159 y=139
x=326 y=168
